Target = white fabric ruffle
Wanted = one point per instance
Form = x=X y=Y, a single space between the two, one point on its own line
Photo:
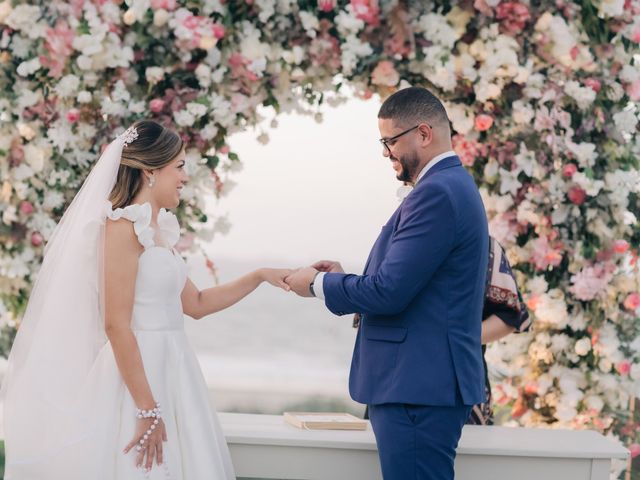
x=140 y=215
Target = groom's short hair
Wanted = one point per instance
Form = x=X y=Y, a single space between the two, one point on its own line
x=413 y=105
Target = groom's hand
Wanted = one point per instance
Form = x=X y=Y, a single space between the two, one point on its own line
x=300 y=280
x=328 y=266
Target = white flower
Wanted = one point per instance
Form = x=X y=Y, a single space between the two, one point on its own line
x=196 y=109
x=615 y=91
x=5 y=10
x=626 y=121
x=160 y=17
x=67 y=86
x=437 y=29
x=84 y=97
x=522 y=112
x=352 y=49
x=611 y=8
x=460 y=117
x=184 y=118
x=154 y=74
x=29 y=67
x=52 y=199
x=23 y=17
x=583 y=346
x=584 y=152
x=347 y=23
x=486 y=91
x=309 y=22
x=203 y=74
x=584 y=96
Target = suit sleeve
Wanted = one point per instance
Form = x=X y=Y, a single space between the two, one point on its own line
x=422 y=241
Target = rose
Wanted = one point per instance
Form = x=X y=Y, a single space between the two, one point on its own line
x=73 y=115
x=569 y=170
x=593 y=83
x=385 y=74
x=632 y=302
x=36 y=239
x=26 y=207
x=326 y=5
x=156 y=105
x=483 y=122
x=577 y=195
x=623 y=367
x=620 y=246
x=583 y=346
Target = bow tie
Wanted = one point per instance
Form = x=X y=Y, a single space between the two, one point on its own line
x=403 y=191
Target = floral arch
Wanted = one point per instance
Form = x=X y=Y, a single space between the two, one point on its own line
x=543 y=101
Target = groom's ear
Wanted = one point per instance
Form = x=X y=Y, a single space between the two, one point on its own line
x=426 y=133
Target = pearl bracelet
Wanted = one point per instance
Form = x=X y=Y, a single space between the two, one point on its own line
x=154 y=413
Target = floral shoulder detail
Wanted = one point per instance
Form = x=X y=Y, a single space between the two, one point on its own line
x=140 y=215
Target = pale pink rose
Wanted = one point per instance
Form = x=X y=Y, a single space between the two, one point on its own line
x=326 y=5
x=26 y=207
x=156 y=105
x=591 y=281
x=73 y=115
x=166 y=4
x=593 y=83
x=218 y=31
x=483 y=122
x=569 y=170
x=468 y=149
x=531 y=388
x=544 y=255
x=385 y=74
x=633 y=90
x=532 y=302
x=367 y=10
x=36 y=239
x=632 y=302
x=513 y=15
x=635 y=35
x=483 y=7
x=224 y=149
x=191 y=22
x=620 y=246
x=59 y=46
x=577 y=195
x=634 y=448
x=623 y=367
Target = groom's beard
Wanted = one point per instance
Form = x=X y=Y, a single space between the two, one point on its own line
x=409 y=164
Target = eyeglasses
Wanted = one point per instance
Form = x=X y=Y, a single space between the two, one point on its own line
x=386 y=142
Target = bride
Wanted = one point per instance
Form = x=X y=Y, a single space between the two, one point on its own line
x=102 y=382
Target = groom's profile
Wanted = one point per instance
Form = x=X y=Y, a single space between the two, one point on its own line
x=417 y=361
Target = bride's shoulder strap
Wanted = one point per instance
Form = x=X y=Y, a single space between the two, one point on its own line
x=139 y=215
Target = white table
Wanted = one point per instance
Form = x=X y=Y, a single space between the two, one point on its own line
x=264 y=446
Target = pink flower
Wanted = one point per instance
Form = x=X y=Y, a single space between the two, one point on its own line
x=468 y=149
x=633 y=90
x=593 y=83
x=591 y=281
x=632 y=302
x=156 y=105
x=59 y=47
x=483 y=122
x=513 y=15
x=73 y=115
x=26 y=207
x=623 y=367
x=367 y=10
x=635 y=35
x=326 y=5
x=634 y=448
x=544 y=255
x=385 y=74
x=166 y=4
x=531 y=388
x=620 y=246
x=224 y=149
x=577 y=195
x=569 y=170
x=36 y=239
x=185 y=242
x=218 y=31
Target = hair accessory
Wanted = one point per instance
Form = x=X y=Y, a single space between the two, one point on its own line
x=129 y=136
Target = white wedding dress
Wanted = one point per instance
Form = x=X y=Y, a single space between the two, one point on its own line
x=103 y=418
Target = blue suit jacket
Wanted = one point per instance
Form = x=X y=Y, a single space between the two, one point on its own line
x=421 y=297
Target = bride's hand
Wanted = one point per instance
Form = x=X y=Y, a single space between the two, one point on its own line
x=152 y=446
x=276 y=276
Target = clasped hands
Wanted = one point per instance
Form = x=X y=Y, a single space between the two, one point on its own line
x=298 y=280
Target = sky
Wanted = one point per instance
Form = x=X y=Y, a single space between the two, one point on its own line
x=315 y=191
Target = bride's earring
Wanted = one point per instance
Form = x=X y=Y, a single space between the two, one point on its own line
x=152 y=180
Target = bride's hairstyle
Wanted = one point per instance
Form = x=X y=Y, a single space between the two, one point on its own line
x=154 y=148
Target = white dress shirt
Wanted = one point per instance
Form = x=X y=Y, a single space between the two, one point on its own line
x=318 y=284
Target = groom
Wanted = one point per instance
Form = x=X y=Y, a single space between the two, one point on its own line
x=417 y=360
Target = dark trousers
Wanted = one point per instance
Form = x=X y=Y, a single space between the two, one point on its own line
x=417 y=442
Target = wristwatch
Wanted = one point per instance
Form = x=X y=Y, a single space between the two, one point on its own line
x=313 y=294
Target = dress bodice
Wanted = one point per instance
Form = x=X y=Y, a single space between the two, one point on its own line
x=162 y=272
